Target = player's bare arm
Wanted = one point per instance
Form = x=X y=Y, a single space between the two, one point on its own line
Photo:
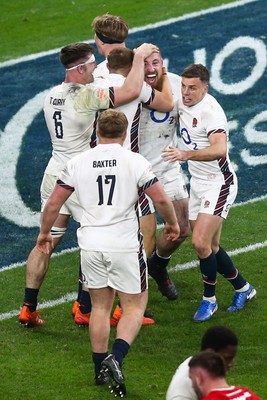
x=216 y=150
x=165 y=207
x=57 y=198
x=132 y=86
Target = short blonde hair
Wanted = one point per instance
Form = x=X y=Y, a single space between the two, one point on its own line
x=112 y=124
x=111 y=26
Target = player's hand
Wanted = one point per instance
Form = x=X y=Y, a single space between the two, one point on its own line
x=146 y=49
x=171 y=232
x=44 y=243
x=173 y=154
x=164 y=71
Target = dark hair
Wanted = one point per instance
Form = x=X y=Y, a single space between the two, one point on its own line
x=75 y=53
x=218 y=337
x=112 y=124
x=197 y=71
x=212 y=362
x=120 y=58
x=111 y=26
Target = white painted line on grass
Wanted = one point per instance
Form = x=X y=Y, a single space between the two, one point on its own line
x=47 y=304
x=22 y=264
x=179 y=267
x=195 y=263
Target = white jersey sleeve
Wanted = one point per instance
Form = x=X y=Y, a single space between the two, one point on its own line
x=106 y=181
x=89 y=99
x=181 y=387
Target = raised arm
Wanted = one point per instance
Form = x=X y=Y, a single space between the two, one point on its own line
x=57 y=198
x=132 y=86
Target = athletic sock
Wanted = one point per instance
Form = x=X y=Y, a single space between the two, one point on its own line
x=97 y=360
x=157 y=267
x=85 y=302
x=120 y=349
x=227 y=269
x=30 y=298
x=208 y=268
x=244 y=288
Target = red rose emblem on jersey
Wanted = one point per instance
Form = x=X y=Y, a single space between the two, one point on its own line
x=194 y=123
x=206 y=204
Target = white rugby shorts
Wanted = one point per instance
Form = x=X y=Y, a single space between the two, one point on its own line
x=70 y=207
x=210 y=198
x=173 y=183
x=126 y=272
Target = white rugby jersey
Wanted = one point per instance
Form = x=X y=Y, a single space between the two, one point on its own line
x=132 y=110
x=181 y=385
x=101 y=70
x=106 y=180
x=158 y=130
x=69 y=111
x=196 y=124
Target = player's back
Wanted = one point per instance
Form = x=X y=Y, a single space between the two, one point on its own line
x=132 y=110
x=69 y=130
x=106 y=180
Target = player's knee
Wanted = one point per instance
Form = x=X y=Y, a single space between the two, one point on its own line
x=57 y=232
x=202 y=248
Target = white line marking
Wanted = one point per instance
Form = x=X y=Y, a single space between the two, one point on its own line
x=138 y=29
x=47 y=304
x=66 y=251
x=23 y=263
x=179 y=267
x=195 y=263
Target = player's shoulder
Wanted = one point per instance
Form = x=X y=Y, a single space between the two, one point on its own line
x=211 y=100
x=136 y=158
x=101 y=70
x=99 y=83
x=174 y=78
x=175 y=82
x=56 y=88
x=208 y=105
